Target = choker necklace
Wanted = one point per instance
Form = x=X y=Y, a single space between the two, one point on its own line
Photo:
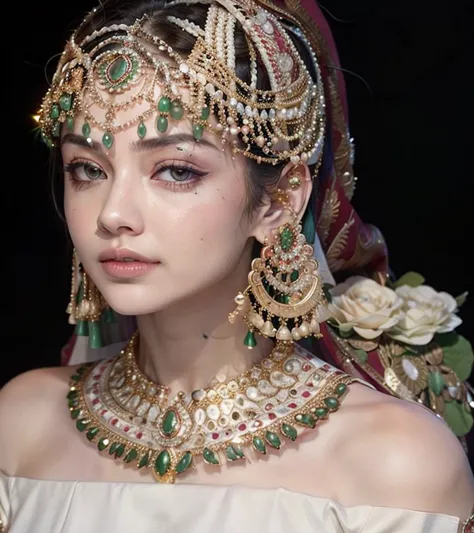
x=133 y=419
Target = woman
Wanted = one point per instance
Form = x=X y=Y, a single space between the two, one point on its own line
x=200 y=141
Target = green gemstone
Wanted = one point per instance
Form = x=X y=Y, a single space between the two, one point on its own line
x=109 y=316
x=289 y=431
x=162 y=124
x=108 y=140
x=286 y=239
x=176 y=110
x=95 y=335
x=170 y=423
x=332 y=403
x=259 y=445
x=294 y=275
x=118 y=68
x=306 y=420
x=164 y=104
x=92 y=433
x=184 y=463
x=273 y=440
x=131 y=455
x=321 y=412
x=144 y=460
x=82 y=423
x=163 y=463
x=86 y=129
x=102 y=444
x=210 y=457
x=75 y=413
x=113 y=448
x=73 y=403
x=120 y=450
x=56 y=131
x=75 y=377
x=198 y=130
x=341 y=389
x=285 y=299
x=233 y=453
x=70 y=123
x=250 y=340
x=55 y=112
x=65 y=102
x=141 y=130
x=206 y=111
x=72 y=395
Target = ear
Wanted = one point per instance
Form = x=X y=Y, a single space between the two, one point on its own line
x=271 y=215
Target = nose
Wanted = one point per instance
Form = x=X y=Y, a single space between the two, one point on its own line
x=120 y=213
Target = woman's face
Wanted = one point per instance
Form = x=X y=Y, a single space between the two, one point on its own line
x=174 y=204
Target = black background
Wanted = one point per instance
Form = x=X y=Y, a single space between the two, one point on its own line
x=411 y=117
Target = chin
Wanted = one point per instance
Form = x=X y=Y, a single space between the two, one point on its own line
x=130 y=300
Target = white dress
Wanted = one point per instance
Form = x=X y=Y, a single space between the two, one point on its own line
x=40 y=506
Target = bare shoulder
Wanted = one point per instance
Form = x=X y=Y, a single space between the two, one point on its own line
x=402 y=455
x=29 y=405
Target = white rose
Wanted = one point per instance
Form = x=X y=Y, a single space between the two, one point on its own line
x=426 y=312
x=365 y=306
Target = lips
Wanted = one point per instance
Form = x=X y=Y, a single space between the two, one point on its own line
x=124 y=255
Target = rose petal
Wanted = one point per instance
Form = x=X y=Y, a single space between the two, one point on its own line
x=368 y=333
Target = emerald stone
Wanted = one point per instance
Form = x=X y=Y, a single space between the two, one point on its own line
x=250 y=340
x=92 y=433
x=341 y=389
x=113 y=448
x=176 y=110
x=102 y=444
x=289 y=431
x=273 y=440
x=75 y=377
x=117 y=69
x=184 y=463
x=144 y=460
x=86 y=129
x=55 y=112
x=72 y=395
x=206 y=111
x=198 y=130
x=259 y=445
x=82 y=328
x=75 y=413
x=95 y=335
x=285 y=299
x=164 y=104
x=70 y=123
x=65 y=102
x=210 y=457
x=321 y=412
x=233 y=453
x=170 y=424
x=56 y=131
x=162 y=124
x=163 y=463
x=131 y=455
x=120 y=450
x=331 y=402
x=286 y=239
x=73 y=403
x=108 y=140
x=82 y=423
x=141 y=130
x=294 y=275
x=306 y=420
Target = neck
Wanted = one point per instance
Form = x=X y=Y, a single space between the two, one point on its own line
x=191 y=342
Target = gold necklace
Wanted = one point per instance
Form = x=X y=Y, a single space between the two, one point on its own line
x=133 y=419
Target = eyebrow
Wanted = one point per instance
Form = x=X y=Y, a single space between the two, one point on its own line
x=142 y=145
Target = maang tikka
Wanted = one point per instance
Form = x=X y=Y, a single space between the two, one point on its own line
x=285 y=292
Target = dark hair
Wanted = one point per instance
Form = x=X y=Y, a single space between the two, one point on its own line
x=261 y=178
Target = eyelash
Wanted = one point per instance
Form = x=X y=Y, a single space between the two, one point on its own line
x=79 y=184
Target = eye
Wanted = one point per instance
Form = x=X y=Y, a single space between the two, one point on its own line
x=177 y=173
x=84 y=171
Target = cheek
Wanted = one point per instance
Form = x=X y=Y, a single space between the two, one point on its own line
x=81 y=218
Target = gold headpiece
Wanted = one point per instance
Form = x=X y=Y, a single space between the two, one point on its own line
x=118 y=68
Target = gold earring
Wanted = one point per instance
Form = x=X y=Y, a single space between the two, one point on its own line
x=295 y=178
x=285 y=290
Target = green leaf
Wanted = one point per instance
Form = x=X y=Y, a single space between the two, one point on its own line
x=461 y=299
x=412 y=279
x=326 y=290
x=436 y=382
x=458 y=418
x=362 y=356
x=457 y=354
x=345 y=331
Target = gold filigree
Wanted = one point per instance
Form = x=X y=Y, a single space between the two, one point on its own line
x=329 y=212
x=338 y=245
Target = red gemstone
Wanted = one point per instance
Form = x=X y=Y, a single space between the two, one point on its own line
x=272 y=416
x=96 y=401
x=242 y=427
x=268 y=407
x=114 y=421
x=215 y=436
x=306 y=394
x=126 y=429
x=292 y=406
x=97 y=377
x=103 y=412
x=307 y=368
x=139 y=435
